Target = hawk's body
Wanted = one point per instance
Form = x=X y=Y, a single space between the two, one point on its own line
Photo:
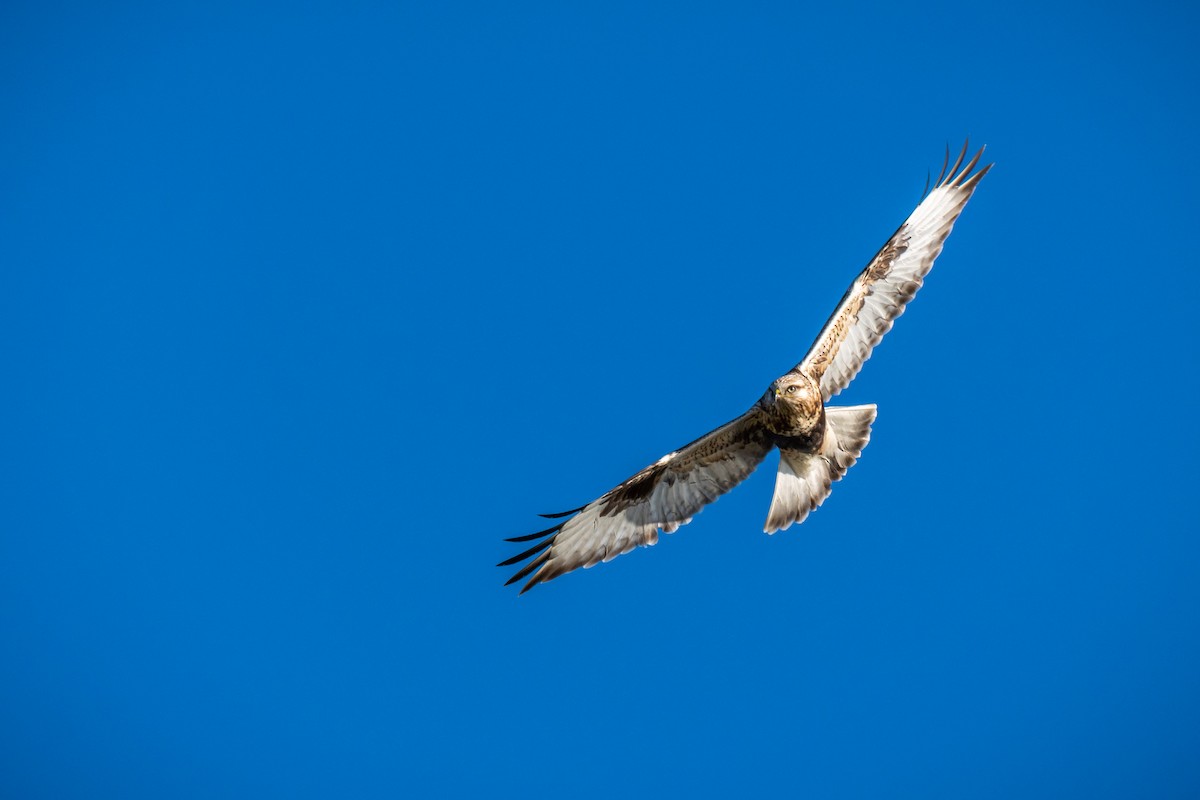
x=817 y=443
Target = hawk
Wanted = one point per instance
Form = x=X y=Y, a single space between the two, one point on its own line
x=817 y=443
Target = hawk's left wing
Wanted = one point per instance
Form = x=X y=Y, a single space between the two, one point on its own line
x=666 y=495
x=880 y=292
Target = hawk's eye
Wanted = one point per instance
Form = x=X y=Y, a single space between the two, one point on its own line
x=791 y=389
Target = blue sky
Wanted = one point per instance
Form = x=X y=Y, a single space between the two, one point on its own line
x=307 y=306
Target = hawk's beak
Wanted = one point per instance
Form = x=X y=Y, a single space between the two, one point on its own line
x=767 y=400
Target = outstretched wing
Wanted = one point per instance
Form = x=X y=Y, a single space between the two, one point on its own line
x=880 y=292
x=664 y=495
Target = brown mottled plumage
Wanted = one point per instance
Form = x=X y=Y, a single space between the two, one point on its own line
x=793 y=407
x=817 y=443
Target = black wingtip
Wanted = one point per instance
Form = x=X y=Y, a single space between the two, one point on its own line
x=973 y=181
x=528 y=568
x=950 y=176
x=537 y=578
x=957 y=175
x=563 y=513
x=945 y=163
x=531 y=551
x=529 y=537
x=970 y=165
x=551 y=535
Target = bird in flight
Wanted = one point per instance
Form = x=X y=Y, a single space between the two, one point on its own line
x=817 y=443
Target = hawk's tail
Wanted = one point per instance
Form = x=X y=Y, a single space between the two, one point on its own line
x=805 y=479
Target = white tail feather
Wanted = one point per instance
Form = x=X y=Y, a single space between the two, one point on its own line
x=805 y=479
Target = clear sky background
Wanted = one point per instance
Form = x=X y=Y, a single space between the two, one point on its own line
x=305 y=307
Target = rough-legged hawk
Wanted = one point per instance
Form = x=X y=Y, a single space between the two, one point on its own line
x=817 y=443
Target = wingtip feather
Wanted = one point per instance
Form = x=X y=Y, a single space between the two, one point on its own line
x=970 y=166
x=561 y=514
x=958 y=162
x=528 y=568
x=546 y=573
x=529 y=537
x=973 y=181
x=945 y=163
x=531 y=551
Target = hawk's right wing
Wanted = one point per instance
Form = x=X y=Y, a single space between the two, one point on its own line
x=666 y=495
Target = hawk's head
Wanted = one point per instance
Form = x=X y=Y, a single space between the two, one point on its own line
x=793 y=404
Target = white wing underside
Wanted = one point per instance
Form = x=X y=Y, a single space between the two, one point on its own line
x=881 y=291
x=591 y=537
